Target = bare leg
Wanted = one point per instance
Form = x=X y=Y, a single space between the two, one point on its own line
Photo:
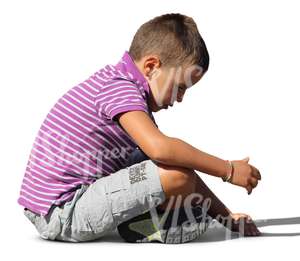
x=178 y=183
x=190 y=182
x=217 y=207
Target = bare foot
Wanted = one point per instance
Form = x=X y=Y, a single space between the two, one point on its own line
x=243 y=224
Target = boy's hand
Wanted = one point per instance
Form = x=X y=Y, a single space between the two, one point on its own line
x=243 y=224
x=245 y=175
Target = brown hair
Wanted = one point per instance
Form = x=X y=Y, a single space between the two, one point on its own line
x=174 y=38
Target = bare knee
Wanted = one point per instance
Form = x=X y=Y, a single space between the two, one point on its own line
x=176 y=180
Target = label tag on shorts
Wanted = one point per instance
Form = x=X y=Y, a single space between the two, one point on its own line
x=137 y=173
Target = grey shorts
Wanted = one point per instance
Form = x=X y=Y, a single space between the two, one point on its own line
x=99 y=208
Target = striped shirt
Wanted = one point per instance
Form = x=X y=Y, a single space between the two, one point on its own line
x=80 y=139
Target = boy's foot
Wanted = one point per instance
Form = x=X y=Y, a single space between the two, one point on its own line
x=145 y=229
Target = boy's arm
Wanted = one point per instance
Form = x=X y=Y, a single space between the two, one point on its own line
x=168 y=150
x=173 y=151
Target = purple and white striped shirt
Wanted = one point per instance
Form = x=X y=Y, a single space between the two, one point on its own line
x=80 y=140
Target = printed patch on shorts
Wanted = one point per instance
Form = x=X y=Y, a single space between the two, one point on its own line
x=137 y=173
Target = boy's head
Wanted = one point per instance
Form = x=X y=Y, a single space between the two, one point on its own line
x=171 y=54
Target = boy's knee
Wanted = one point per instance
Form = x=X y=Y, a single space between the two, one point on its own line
x=177 y=180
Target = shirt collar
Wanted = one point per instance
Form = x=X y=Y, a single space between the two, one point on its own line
x=127 y=65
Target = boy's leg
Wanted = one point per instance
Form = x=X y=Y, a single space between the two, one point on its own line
x=112 y=200
x=176 y=223
x=216 y=206
x=185 y=179
x=116 y=198
x=98 y=208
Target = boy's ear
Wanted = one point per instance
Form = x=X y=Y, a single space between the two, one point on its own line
x=151 y=64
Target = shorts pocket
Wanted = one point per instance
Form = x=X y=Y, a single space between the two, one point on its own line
x=126 y=205
x=92 y=212
x=123 y=201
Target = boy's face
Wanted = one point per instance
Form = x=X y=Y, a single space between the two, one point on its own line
x=167 y=84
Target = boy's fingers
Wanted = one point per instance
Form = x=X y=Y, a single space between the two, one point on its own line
x=246 y=159
x=249 y=189
x=258 y=174
x=255 y=172
x=253 y=182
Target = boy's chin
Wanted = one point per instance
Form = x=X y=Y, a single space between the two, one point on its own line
x=161 y=108
x=157 y=108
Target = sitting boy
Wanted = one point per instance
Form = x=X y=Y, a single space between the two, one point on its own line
x=78 y=184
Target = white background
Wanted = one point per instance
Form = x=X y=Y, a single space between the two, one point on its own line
x=246 y=105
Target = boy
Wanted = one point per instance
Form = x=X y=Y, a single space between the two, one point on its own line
x=82 y=180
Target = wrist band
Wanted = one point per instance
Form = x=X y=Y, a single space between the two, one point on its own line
x=229 y=174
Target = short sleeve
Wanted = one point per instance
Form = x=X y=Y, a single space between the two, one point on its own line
x=119 y=96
